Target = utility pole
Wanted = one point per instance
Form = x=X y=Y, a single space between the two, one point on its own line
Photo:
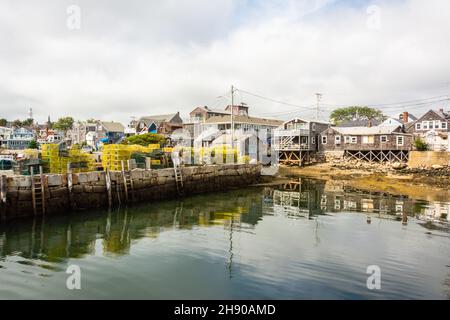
x=232 y=117
x=319 y=97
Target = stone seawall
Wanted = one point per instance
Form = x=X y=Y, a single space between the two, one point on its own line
x=89 y=190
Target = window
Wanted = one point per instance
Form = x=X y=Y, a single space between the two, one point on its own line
x=347 y=139
x=437 y=124
x=400 y=141
x=425 y=125
x=368 y=139
x=383 y=139
x=353 y=140
x=324 y=139
x=337 y=139
x=418 y=126
x=444 y=125
x=313 y=140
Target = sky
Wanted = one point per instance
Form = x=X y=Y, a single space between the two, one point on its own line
x=114 y=59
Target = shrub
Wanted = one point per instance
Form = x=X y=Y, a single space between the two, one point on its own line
x=420 y=145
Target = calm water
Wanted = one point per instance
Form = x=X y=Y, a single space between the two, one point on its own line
x=297 y=241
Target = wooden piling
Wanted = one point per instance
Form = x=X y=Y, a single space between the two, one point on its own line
x=3 y=185
x=108 y=187
x=70 y=185
x=124 y=180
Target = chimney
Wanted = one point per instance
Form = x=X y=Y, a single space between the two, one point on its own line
x=441 y=110
x=405 y=117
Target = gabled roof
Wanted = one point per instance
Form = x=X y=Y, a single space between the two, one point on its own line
x=305 y=120
x=113 y=126
x=244 y=119
x=358 y=131
x=211 y=110
x=158 y=118
x=439 y=113
x=359 y=123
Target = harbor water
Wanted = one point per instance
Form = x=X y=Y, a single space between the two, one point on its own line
x=299 y=240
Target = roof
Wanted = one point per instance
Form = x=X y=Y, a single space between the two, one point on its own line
x=158 y=118
x=113 y=126
x=359 y=123
x=245 y=119
x=306 y=120
x=226 y=138
x=356 y=131
x=211 y=110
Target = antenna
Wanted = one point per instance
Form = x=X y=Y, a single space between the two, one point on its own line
x=319 y=98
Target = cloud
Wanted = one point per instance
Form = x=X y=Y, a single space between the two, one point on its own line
x=150 y=57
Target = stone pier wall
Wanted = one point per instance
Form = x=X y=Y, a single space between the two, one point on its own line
x=89 y=190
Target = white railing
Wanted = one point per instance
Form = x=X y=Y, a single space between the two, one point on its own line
x=285 y=133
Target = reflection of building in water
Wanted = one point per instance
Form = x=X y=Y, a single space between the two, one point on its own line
x=58 y=238
x=438 y=212
x=297 y=199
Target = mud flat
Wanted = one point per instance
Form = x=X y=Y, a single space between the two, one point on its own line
x=430 y=185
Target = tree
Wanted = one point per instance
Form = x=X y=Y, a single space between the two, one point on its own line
x=355 y=113
x=420 y=145
x=28 y=122
x=33 y=145
x=145 y=139
x=17 y=123
x=64 y=124
x=3 y=122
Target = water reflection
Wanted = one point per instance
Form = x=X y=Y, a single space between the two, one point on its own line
x=306 y=198
x=55 y=239
x=245 y=230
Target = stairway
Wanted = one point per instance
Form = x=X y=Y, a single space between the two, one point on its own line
x=179 y=180
x=37 y=191
x=128 y=186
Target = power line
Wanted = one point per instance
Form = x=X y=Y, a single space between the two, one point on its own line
x=274 y=100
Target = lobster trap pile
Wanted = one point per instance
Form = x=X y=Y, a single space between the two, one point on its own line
x=114 y=154
x=56 y=159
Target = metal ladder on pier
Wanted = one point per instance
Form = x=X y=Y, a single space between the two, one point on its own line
x=179 y=180
x=128 y=183
x=38 y=192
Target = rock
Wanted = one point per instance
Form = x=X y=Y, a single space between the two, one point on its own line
x=399 y=166
x=437 y=167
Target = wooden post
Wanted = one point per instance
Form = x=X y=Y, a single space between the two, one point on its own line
x=70 y=185
x=41 y=173
x=33 y=191
x=3 y=185
x=108 y=187
x=124 y=180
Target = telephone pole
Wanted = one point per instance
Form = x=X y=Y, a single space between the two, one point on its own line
x=319 y=97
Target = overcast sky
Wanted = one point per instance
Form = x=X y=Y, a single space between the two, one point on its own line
x=145 y=57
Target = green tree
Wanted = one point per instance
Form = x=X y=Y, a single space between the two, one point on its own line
x=145 y=139
x=27 y=122
x=64 y=124
x=3 y=122
x=33 y=145
x=420 y=145
x=355 y=113
x=17 y=123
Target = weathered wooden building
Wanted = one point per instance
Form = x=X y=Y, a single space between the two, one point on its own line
x=374 y=144
x=433 y=127
x=161 y=124
x=297 y=140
